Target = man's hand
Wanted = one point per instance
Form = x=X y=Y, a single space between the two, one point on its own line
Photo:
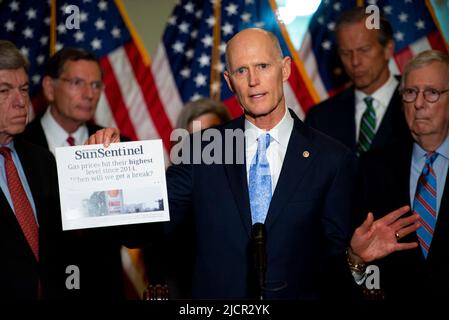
x=376 y=239
x=105 y=136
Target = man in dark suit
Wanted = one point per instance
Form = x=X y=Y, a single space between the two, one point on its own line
x=309 y=182
x=32 y=264
x=72 y=85
x=368 y=114
x=413 y=174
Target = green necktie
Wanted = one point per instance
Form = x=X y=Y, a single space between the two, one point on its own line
x=367 y=127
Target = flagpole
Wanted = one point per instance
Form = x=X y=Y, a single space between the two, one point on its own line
x=215 y=72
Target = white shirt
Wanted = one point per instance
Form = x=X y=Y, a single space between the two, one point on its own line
x=381 y=99
x=57 y=136
x=278 y=146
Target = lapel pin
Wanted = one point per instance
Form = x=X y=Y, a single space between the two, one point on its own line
x=306 y=154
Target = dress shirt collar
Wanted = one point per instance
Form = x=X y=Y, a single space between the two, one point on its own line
x=382 y=95
x=443 y=150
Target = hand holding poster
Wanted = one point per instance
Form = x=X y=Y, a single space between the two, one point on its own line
x=122 y=184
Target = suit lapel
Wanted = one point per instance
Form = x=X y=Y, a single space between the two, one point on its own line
x=345 y=119
x=293 y=168
x=236 y=174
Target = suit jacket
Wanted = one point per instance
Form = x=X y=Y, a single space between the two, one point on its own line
x=95 y=251
x=308 y=222
x=19 y=270
x=335 y=117
x=383 y=186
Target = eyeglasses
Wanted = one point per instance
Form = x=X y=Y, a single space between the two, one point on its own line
x=78 y=84
x=430 y=94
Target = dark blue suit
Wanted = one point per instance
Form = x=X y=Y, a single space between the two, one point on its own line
x=308 y=222
x=336 y=118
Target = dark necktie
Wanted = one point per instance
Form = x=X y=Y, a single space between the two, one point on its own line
x=22 y=207
x=71 y=140
x=367 y=127
x=425 y=203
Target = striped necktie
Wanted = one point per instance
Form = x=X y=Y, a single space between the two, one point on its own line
x=425 y=203
x=260 y=181
x=367 y=127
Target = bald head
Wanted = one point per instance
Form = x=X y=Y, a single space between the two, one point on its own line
x=242 y=38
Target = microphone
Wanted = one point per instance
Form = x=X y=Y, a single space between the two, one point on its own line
x=260 y=259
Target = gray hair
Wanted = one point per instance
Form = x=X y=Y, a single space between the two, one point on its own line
x=11 y=58
x=270 y=34
x=194 y=109
x=423 y=59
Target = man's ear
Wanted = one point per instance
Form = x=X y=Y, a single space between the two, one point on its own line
x=227 y=77
x=286 y=68
x=48 y=88
x=389 y=50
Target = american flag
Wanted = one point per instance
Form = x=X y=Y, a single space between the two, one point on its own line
x=189 y=61
x=39 y=28
x=413 y=31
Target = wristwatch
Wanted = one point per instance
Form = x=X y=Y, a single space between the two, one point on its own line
x=356 y=267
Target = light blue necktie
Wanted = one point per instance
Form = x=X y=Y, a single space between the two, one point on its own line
x=260 y=181
x=425 y=203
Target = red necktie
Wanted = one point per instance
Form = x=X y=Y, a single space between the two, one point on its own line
x=71 y=141
x=22 y=206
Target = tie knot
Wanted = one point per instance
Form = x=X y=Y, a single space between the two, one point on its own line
x=430 y=157
x=369 y=101
x=263 y=142
x=5 y=152
x=71 y=140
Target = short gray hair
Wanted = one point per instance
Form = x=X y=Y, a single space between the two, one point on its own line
x=194 y=109
x=423 y=59
x=11 y=58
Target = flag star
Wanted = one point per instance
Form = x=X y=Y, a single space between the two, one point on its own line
x=420 y=24
x=200 y=80
x=196 y=96
x=172 y=20
x=100 y=24
x=337 y=6
x=14 y=6
x=320 y=20
x=59 y=46
x=326 y=45
x=96 y=44
x=178 y=47
x=388 y=9
x=189 y=54
x=36 y=78
x=116 y=32
x=204 y=60
x=9 y=25
x=207 y=41
x=249 y=1
x=326 y=2
x=194 y=34
x=103 y=5
x=403 y=17
x=63 y=7
x=399 y=36
x=31 y=14
x=43 y=40
x=79 y=36
x=222 y=48
x=227 y=29
x=231 y=9
x=259 y=24
x=185 y=73
x=188 y=7
x=184 y=27
x=61 y=28
x=27 y=33
x=210 y=21
x=246 y=17
x=83 y=16
x=331 y=26
x=24 y=51
x=40 y=59
x=212 y=2
x=198 y=14
x=47 y=21
x=372 y=1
